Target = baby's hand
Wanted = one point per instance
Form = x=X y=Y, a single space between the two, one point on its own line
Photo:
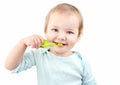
x=34 y=41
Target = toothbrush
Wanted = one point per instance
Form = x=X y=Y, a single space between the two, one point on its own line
x=47 y=44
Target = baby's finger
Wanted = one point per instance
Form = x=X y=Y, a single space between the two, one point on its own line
x=34 y=43
x=39 y=42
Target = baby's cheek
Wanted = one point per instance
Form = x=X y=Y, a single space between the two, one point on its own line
x=73 y=41
x=49 y=36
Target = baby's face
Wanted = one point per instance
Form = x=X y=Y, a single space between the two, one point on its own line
x=63 y=28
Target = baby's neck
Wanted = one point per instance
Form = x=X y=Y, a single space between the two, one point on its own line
x=62 y=54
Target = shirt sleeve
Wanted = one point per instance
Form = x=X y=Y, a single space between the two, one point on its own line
x=27 y=62
x=87 y=76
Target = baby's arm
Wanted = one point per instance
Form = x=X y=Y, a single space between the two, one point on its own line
x=15 y=56
x=88 y=77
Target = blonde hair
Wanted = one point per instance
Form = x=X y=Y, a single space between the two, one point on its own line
x=65 y=8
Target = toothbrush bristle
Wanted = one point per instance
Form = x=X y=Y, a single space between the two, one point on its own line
x=59 y=44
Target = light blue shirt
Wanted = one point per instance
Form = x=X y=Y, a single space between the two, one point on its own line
x=57 y=70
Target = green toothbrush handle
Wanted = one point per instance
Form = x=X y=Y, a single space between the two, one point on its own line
x=47 y=44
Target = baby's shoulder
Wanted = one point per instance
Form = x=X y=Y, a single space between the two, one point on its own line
x=80 y=56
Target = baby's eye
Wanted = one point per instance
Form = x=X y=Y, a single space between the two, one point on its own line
x=69 y=32
x=55 y=30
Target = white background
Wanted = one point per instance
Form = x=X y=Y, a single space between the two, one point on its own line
x=100 y=41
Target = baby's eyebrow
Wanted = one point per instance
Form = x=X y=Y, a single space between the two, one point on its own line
x=69 y=29
x=55 y=26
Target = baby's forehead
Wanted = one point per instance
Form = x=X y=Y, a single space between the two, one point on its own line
x=62 y=14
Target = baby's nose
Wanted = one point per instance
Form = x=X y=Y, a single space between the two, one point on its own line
x=61 y=37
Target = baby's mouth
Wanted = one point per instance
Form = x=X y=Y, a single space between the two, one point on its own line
x=60 y=44
x=64 y=44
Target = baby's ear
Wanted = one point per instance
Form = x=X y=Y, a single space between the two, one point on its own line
x=79 y=37
x=45 y=35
